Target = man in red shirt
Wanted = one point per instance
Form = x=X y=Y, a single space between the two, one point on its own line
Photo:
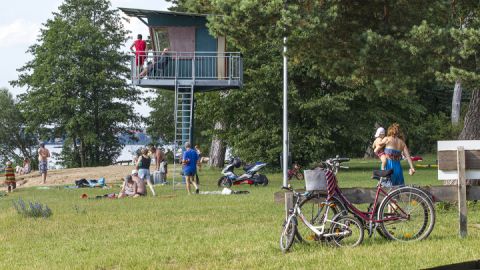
x=140 y=51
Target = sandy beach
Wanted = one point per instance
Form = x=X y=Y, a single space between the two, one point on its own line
x=113 y=173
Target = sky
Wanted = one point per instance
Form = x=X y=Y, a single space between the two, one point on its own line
x=20 y=24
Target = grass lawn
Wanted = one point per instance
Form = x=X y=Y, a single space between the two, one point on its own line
x=177 y=231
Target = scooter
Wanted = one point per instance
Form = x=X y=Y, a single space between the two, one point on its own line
x=250 y=176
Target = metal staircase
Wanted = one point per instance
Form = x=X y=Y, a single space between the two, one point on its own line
x=183 y=119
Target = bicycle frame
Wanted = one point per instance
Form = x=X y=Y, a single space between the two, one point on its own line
x=318 y=230
x=369 y=216
x=295 y=169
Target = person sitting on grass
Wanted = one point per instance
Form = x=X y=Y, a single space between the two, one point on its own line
x=129 y=188
x=10 y=177
x=26 y=167
x=141 y=188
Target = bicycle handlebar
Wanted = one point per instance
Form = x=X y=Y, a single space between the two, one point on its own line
x=340 y=160
x=334 y=163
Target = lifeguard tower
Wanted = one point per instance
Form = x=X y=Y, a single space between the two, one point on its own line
x=197 y=62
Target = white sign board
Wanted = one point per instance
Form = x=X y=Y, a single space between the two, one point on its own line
x=452 y=146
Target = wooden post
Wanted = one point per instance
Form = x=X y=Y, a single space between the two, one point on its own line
x=288 y=202
x=462 y=191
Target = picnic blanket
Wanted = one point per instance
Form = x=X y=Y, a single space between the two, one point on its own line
x=82 y=183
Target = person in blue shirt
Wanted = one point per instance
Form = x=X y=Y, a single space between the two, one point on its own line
x=189 y=161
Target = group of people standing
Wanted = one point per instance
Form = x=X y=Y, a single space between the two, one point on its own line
x=135 y=184
x=391 y=148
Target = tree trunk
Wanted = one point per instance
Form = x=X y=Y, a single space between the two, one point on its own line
x=217 y=149
x=471 y=128
x=456 y=102
x=82 y=153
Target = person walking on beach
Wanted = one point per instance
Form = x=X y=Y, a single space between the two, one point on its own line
x=43 y=155
x=189 y=161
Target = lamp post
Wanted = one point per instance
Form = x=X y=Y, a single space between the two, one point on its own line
x=285 y=110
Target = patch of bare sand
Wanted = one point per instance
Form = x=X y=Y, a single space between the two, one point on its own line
x=113 y=173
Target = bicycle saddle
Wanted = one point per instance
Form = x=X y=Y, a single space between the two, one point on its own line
x=381 y=173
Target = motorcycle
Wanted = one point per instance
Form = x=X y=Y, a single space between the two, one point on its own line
x=250 y=176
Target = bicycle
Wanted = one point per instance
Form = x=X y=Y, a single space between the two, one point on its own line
x=344 y=230
x=393 y=217
x=295 y=171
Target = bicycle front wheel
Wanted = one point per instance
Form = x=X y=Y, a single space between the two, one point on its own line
x=408 y=215
x=224 y=182
x=346 y=231
x=288 y=234
x=313 y=209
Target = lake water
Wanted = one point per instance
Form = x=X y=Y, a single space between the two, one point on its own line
x=126 y=154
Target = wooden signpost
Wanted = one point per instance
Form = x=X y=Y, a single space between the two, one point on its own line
x=459 y=161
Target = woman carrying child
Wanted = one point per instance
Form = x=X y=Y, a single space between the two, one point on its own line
x=393 y=146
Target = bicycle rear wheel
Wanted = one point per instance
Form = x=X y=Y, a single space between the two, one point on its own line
x=346 y=231
x=313 y=208
x=412 y=215
x=299 y=176
x=288 y=233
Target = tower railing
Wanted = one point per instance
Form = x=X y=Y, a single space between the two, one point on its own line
x=187 y=66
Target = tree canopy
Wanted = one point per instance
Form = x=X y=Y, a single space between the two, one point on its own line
x=15 y=140
x=353 y=65
x=77 y=81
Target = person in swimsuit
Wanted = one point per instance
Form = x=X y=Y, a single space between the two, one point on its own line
x=394 y=147
x=43 y=155
x=379 y=135
x=141 y=188
x=129 y=188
